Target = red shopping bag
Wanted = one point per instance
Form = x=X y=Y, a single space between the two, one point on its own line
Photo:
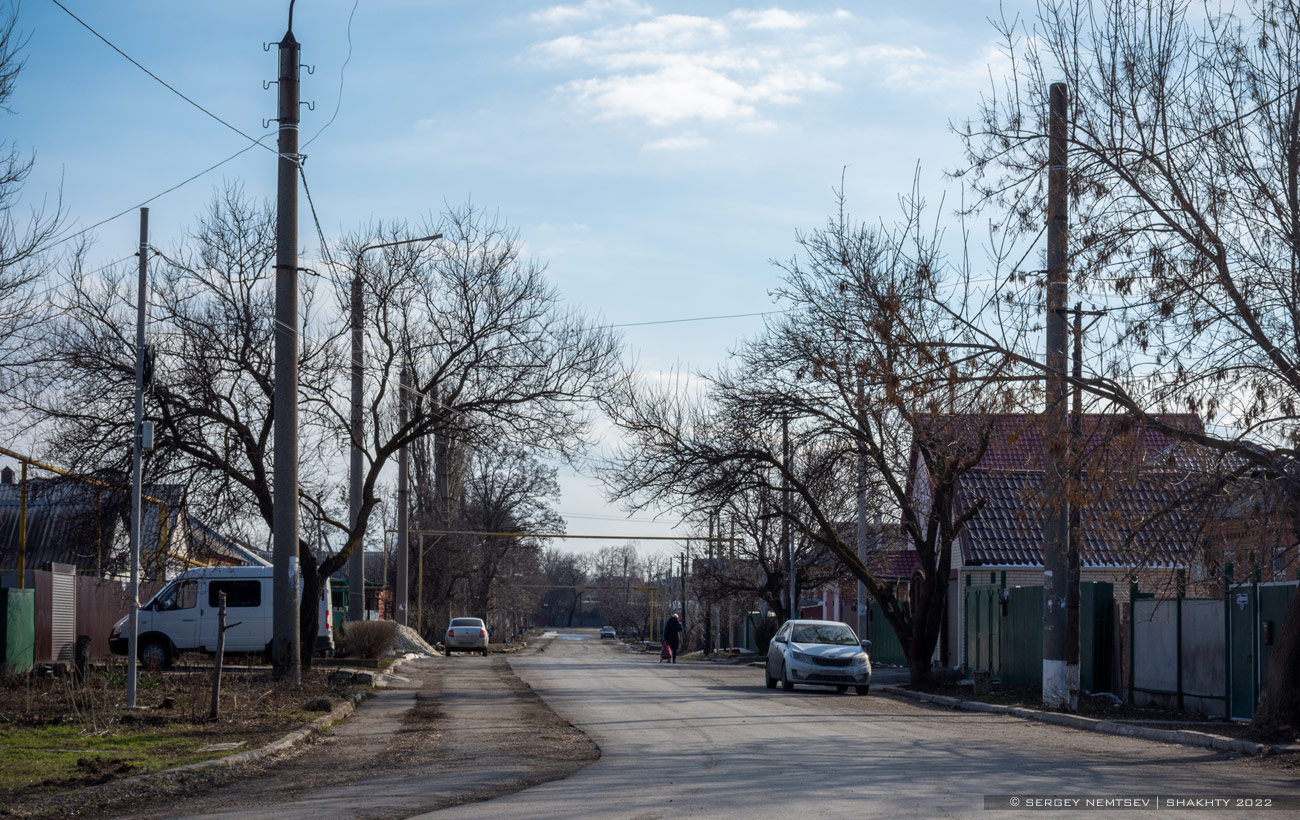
x=665 y=651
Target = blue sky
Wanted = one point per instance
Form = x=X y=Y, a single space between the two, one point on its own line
x=657 y=155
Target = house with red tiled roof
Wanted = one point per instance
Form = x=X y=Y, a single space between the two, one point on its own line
x=1133 y=481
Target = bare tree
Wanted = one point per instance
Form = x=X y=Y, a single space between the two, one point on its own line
x=858 y=363
x=24 y=239
x=487 y=349
x=1185 y=171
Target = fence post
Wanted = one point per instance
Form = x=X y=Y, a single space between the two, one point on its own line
x=1180 y=588
x=1254 y=638
x=1132 y=636
x=1227 y=640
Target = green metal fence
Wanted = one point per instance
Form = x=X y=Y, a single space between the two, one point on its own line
x=885 y=647
x=1004 y=633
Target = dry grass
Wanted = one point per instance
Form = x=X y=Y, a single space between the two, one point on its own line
x=55 y=735
x=368 y=639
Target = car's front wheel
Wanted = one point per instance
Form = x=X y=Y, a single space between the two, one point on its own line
x=864 y=689
x=786 y=683
x=767 y=676
x=841 y=689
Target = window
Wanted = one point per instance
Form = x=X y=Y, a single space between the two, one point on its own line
x=180 y=595
x=238 y=593
x=466 y=622
x=836 y=634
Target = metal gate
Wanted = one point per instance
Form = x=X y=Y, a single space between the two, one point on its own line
x=1255 y=614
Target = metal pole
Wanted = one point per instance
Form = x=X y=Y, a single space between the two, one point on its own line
x=133 y=621
x=862 y=531
x=731 y=600
x=787 y=532
x=419 y=589
x=285 y=650
x=1056 y=690
x=403 y=501
x=22 y=526
x=1072 y=637
x=357 y=562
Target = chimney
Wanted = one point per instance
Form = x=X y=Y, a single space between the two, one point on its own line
x=7 y=476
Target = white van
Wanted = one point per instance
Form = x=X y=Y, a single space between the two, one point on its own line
x=182 y=617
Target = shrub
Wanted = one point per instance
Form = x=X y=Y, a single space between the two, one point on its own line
x=368 y=639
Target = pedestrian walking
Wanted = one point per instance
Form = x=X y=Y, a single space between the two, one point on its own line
x=673 y=634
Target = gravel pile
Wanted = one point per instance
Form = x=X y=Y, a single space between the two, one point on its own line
x=408 y=640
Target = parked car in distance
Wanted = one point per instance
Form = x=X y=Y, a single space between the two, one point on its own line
x=466 y=635
x=820 y=653
x=182 y=617
x=608 y=632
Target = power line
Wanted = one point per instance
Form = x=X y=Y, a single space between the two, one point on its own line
x=180 y=184
x=702 y=318
x=339 y=102
x=160 y=80
x=324 y=247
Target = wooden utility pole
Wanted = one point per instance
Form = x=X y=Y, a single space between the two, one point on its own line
x=1056 y=525
x=220 y=656
x=285 y=649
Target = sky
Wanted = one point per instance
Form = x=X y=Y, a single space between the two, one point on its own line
x=657 y=156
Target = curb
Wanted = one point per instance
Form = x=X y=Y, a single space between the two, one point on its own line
x=285 y=743
x=1183 y=737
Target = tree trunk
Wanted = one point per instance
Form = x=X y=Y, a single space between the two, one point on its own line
x=309 y=606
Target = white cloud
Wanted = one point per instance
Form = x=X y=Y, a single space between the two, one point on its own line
x=771 y=19
x=685 y=142
x=587 y=10
x=737 y=70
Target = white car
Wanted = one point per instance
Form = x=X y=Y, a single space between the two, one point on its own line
x=466 y=635
x=820 y=653
x=608 y=632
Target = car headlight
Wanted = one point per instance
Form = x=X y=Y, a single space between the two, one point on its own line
x=802 y=657
x=860 y=660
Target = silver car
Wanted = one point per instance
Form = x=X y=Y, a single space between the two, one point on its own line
x=819 y=653
x=466 y=635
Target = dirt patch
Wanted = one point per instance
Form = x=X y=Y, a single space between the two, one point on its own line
x=453 y=731
x=58 y=735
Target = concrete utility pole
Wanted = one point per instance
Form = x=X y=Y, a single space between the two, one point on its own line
x=403 y=502
x=1076 y=523
x=133 y=623
x=708 y=607
x=731 y=600
x=1056 y=689
x=285 y=650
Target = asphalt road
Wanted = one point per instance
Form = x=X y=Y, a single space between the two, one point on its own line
x=709 y=741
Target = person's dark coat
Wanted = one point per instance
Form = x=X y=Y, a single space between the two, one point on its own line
x=673 y=631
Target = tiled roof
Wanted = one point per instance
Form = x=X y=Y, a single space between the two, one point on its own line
x=1015 y=440
x=893 y=564
x=1008 y=530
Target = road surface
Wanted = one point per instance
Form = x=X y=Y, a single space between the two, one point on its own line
x=709 y=741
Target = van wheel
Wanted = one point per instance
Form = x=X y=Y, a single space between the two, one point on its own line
x=155 y=653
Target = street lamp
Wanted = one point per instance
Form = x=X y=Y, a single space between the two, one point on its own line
x=357 y=562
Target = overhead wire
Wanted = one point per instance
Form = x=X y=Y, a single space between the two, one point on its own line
x=339 y=102
x=160 y=80
x=159 y=195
